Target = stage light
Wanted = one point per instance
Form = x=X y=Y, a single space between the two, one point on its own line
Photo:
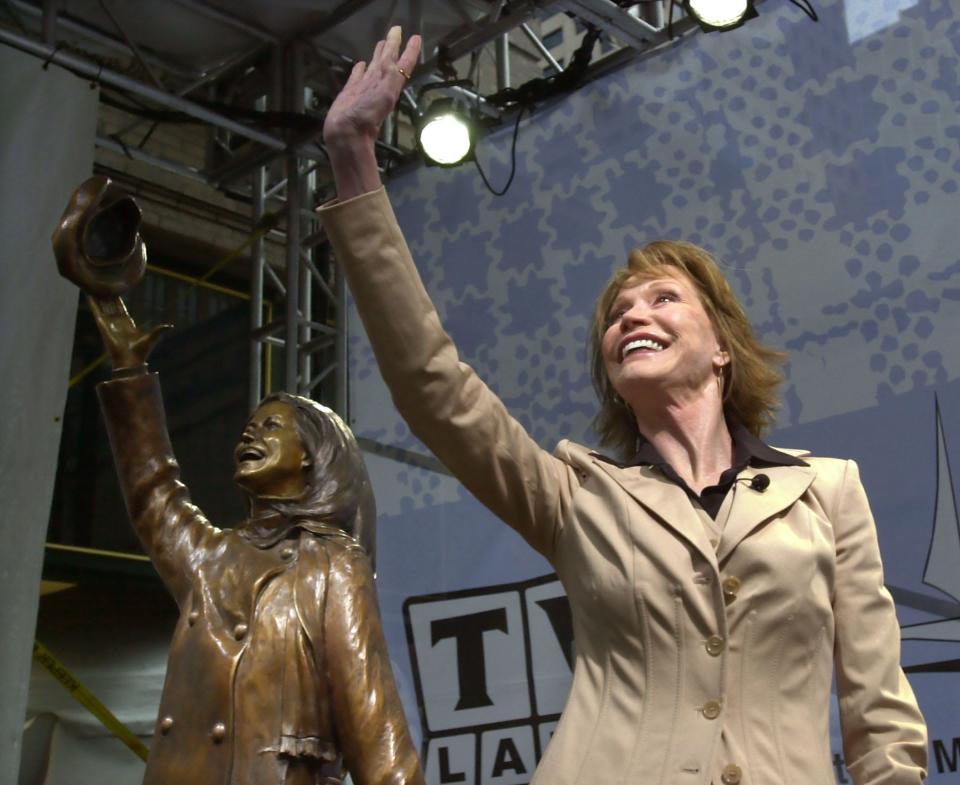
x=446 y=134
x=720 y=14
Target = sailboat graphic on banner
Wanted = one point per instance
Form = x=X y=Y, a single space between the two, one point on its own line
x=942 y=570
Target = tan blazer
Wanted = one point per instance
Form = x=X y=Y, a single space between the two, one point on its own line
x=693 y=665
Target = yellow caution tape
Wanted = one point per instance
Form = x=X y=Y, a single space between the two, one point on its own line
x=81 y=375
x=266 y=225
x=86 y=698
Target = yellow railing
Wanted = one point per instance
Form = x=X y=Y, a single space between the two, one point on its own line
x=204 y=283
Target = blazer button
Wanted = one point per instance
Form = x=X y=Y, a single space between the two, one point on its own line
x=166 y=724
x=286 y=553
x=218 y=732
x=715 y=645
x=240 y=631
x=731 y=775
x=711 y=709
x=730 y=586
x=192 y=617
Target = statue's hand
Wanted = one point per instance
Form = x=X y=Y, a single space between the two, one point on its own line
x=126 y=344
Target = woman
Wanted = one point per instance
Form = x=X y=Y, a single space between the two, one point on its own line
x=715 y=583
x=278 y=670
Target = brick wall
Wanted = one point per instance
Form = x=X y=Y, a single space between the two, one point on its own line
x=191 y=217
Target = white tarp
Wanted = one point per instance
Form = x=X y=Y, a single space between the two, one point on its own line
x=47 y=125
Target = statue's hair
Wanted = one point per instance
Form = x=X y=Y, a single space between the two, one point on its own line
x=338 y=486
x=752 y=376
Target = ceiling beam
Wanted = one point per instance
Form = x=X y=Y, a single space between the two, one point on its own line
x=107 y=76
x=612 y=19
x=340 y=13
x=241 y=25
x=538 y=44
x=67 y=23
x=462 y=43
x=136 y=154
x=135 y=50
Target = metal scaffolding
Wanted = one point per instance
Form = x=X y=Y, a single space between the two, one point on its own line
x=277 y=168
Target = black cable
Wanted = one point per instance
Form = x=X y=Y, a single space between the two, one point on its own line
x=538 y=90
x=95 y=82
x=290 y=121
x=60 y=45
x=807 y=7
x=123 y=145
x=148 y=134
x=546 y=87
x=513 y=159
x=49 y=58
x=138 y=106
x=133 y=107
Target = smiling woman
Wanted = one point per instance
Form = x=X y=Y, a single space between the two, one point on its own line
x=749 y=375
x=716 y=584
x=659 y=339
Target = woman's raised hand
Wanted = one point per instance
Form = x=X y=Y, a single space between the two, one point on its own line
x=366 y=100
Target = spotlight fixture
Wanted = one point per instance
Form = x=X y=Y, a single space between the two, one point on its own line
x=446 y=133
x=720 y=14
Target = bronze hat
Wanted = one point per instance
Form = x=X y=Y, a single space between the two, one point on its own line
x=97 y=243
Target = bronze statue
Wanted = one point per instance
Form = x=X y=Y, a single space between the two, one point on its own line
x=278 y=670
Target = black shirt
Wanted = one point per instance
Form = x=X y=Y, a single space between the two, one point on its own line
x=748 y=450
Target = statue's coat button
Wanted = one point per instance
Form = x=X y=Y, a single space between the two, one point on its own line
x=218 y=733
x=166 y=724
x=240 y=631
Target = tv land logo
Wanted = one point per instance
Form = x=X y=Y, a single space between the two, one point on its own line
x=492 y=669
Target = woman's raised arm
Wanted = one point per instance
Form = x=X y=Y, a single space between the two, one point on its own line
x=441 y=398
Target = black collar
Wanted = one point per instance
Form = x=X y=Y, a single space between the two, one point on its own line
x=748 y=450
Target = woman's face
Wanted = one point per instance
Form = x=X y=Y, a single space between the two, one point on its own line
x=270 y=459
x=659 y=336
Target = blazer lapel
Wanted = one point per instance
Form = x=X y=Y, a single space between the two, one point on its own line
x=751 y=508
x=666 y=500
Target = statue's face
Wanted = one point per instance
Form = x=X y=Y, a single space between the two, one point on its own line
x=270 y=459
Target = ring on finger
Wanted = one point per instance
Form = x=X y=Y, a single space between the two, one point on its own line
x=403 y=73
